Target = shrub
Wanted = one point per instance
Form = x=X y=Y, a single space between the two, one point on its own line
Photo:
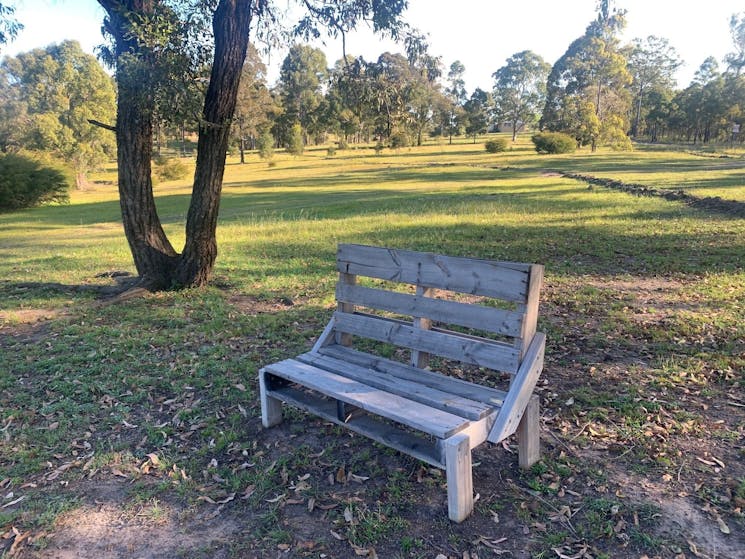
x=26 y=182
x=265 y=145
x=342 y=143
x=400 y=139
x=331 y=151
x=496 y=145
x=554 y=142
x=379 y=148
x=169 y=169
x=295 y=143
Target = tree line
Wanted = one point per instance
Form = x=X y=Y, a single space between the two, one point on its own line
x=599 y=92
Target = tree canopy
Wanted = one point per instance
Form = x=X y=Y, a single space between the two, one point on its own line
x=587 y=91
x=520 y=89
x=50 y=95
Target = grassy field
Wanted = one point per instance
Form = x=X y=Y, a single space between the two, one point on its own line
x=133 y=429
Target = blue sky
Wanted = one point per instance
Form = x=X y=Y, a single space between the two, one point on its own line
x=480 y=33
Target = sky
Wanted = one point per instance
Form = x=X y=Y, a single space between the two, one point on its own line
x=482 y=34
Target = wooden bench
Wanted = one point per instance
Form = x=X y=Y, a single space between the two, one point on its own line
x=437 y=323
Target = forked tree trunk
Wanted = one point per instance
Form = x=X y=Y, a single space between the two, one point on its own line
x=157 y=263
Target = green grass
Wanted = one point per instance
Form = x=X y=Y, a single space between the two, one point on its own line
x=644 y=299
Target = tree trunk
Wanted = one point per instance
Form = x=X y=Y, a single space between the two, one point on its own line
x=231 y=24
x=157 y=263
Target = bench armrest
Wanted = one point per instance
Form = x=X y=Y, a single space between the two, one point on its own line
x=520 y=390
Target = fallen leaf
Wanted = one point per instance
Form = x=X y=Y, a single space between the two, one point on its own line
x=18 y=500
x=154 y=459
x=723 y=526
x=337 y=536
x=277 y=498
x=341 y=475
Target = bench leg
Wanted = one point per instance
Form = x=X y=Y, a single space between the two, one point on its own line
x=271 y=408
x=459 y=477
x=528 y=435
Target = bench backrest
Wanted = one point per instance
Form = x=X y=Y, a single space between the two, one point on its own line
x=429 y=331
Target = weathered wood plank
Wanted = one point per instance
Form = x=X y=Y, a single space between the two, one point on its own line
x=271 y=408
x=421 y=358
x=433 y=379
x=385 y=433
x=520 y=390
x=409 y=389
x=342 y=306
x=467 y=349
x=531 y=307
x=435 y=422
x=529 y=435
x=497 y=321
x=503 y=280
x=459 y=477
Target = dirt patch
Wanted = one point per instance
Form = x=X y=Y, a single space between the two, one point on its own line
x=108 y=527
x=250 y=305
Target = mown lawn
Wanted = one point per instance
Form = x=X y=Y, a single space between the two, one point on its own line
x=132 y=429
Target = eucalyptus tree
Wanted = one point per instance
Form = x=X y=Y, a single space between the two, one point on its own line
x=9 y=26
x=58 y=89
x=456 y=94
x=255 y=107
x=587 y=87
x=477 y=108
x=736 y=59
x=652 y=63
x=302 y=77
x=520 y=89
x=159 y=42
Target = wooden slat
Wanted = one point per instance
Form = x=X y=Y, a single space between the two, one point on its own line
x=421 y=358
x=503 y=280
x=408 y=412
x=376 y=429
x=345 y=279
x=497 y=321
x=445 y=383
x=531 y=307
x=520 y=390
x=409 y=389
x=467 y=349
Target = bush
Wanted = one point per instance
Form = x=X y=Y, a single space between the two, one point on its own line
x=26 y=182
x=169 y=169
x=331 y=151
x=265 y=145
x=342 y=144
x=295 y=143
x=554 y=142
x=496 y=145
x=400 y=139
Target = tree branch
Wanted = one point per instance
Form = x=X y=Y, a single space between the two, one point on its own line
x=102 y=125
